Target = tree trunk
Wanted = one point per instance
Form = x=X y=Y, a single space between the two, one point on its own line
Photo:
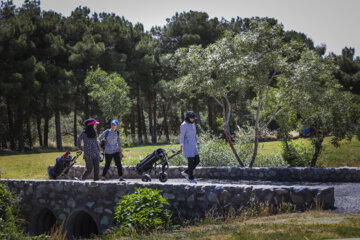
x=150 y=116
x=20 y=126
x=232 y=147
x=317 y=142
x=46 y=121
x=139 y=110
x=166 y=127
x=75 y=125
x=196 y=109
x=132 y=123
x=58 y=131
x=154 y=138
x=257 y=133
x=28 y=133
x=46 y=132
x=86 y=105
x=226 y=107
x=4 y=142
x=38 y=125
x=256 y=146
x=146 y=140
x=11 y=127
x=182 y=113
x=210 y=114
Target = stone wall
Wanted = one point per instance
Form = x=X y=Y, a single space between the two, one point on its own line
x=343 y=174
x=95 y=202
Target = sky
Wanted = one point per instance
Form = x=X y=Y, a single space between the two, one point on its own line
x=334 y=23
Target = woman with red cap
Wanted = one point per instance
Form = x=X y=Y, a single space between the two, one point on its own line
x=91 y=148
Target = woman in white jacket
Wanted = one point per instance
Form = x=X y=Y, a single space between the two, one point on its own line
x=189 y=145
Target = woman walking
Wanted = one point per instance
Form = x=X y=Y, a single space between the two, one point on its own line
x=189 y=145
x=91 y=148
x=113 y=149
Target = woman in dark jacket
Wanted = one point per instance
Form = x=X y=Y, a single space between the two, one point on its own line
x=91 y=148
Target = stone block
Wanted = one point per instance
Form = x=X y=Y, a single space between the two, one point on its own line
x=212 y=197
x=104 y=220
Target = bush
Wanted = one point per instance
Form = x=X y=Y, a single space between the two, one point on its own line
x=5 y=204
x=215 y=151
x=271 y=160
x=296 y=153
x=141 y=212
x=9 y=211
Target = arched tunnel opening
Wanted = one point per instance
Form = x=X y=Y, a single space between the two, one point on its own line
x=42 y=222
x=81 y=225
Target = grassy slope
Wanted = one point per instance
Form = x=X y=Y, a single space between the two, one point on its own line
x=34 y=165
x=309 y=225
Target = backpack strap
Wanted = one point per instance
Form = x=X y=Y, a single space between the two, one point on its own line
x=107 y=133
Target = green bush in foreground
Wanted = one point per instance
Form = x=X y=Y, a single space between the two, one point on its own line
x=141 y=212
x=9 y=211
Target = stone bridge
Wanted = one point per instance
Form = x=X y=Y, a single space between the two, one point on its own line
x=87 y=207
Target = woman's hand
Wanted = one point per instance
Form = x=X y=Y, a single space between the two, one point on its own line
x=180 y=150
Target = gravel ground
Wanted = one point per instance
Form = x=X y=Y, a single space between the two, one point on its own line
x=347 y=195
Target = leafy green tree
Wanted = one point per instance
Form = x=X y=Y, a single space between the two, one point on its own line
x=19 y=65
x=188 y=28
x=349 y=70
x=110 y=91
x=277 y=72
x=54 y=76
x=329 y=111
x=213 y=71
x=85 y=49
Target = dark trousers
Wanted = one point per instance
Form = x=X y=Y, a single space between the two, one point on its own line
x=90 y=165
x=192 y=163
x=108 y=158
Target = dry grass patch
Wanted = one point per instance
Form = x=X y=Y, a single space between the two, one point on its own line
x=308 y=225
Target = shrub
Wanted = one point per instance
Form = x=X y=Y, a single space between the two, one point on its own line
x=5 y=204
x=141 y=212
x=296 y=153
x=272 y=160
x=215 y=151
x=9 y=211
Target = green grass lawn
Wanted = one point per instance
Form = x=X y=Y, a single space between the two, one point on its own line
x=348 y=154
x=34 y=165
x=308 y=225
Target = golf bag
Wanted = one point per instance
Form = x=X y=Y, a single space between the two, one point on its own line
x=151 y=161
x=63 y=165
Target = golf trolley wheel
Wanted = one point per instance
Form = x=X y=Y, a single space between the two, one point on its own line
x=163 y=177
x=146 y=178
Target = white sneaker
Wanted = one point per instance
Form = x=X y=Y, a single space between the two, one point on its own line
x=185 y=175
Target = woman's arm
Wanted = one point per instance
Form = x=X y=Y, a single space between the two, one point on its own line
x=78 y=140
x=182 y=136
x=102 y=135
x=119 y=144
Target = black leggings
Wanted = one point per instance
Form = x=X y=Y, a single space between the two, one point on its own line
x=108 y=158
x=192 y=163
